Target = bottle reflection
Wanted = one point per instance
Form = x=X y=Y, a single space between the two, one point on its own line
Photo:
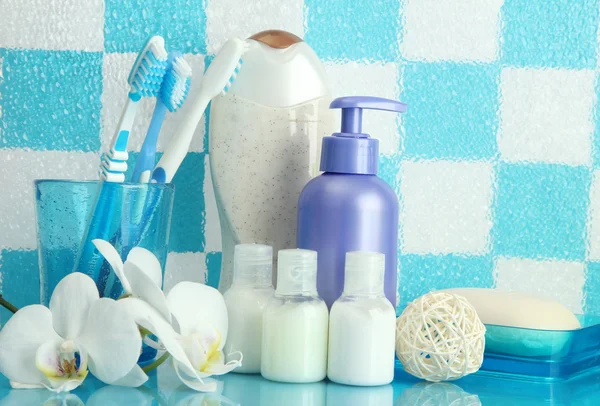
x=359 y=396
x=436 y=394
x=291 y=394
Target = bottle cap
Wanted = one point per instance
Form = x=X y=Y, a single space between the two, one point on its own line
x=352 y=151
x=297 y=272
x=253 y=264
x=364 y=273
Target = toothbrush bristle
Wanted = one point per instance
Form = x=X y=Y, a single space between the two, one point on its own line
x=232 y=77
x=149 y=69
x=176 y=84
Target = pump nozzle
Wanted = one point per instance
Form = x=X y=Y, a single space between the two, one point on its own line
x=351 y=151
x=352 y=107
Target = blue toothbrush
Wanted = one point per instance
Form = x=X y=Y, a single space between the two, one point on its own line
x=172 y=95
x=144 y=80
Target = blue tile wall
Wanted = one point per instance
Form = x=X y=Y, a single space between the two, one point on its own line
x=541 y=212
x=373 y=26
x=552 y=34
x=453 y=110
x=128 y=23
x=51 y=100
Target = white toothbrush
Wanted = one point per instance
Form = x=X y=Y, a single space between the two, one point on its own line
x=144 y=80
x=217 y=80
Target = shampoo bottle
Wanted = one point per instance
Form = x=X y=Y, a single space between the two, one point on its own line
x=362 y=323
x=246 y=299
x=264 y=141
x=295 y=323
x=348 y=208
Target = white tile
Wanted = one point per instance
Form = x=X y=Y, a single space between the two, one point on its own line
x=594 y=218
x=376 y=79
x=445 y=207
x=54 y=25
x=19 y=168
x=546 y=115
x=451 y=30
x=226 y=19
x=115 y=71
x=559 y=280
x=212 y=228
x=186 y=266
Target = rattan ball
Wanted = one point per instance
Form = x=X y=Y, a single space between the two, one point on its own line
x=439 y=337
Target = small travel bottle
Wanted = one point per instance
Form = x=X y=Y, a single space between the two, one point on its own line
x=362 y=325
x=295 y=322
x=246 y=299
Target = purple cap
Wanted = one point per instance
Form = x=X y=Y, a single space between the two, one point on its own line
x=351 y=151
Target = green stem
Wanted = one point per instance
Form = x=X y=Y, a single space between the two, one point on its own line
x=8 y=305
x=156 y=363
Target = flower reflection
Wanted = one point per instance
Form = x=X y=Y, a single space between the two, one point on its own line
x=36 y=397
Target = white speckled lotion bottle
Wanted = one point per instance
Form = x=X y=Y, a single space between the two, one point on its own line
x=264 y=143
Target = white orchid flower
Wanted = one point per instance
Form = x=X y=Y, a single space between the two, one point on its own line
x=54 y=347
x=140 y=275
x=191 y=322
x=197 y=339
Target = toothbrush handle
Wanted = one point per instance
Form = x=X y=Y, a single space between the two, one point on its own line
x=180 y=144
x=118 y=148
x=146 y=158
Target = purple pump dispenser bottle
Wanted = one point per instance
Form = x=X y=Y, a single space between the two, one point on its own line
x=348 y=208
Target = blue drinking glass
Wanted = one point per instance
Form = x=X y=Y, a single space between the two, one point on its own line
x=67 y=218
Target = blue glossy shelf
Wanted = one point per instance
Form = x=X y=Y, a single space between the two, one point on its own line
x=164 y=388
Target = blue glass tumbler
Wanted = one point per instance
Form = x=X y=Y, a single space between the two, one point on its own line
x=64 y=210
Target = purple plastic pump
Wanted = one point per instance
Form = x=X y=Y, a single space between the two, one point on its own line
x=348 y=208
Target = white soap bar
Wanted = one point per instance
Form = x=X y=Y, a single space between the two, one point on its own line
x=515 y=309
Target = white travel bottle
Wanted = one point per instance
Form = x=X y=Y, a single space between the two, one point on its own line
x=362 y=327
x=295 y=322
x=246 y=300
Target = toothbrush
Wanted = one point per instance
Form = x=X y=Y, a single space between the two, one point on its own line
x=172 y=94
x=217 y=80
x=144 y=80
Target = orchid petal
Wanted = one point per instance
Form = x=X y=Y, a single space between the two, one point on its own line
x=216 y=365
x=195 y=304
x=17 y=385
x=60 y=385
x=114 y=259
x=196 y=384
x=71 y=302
x=148 y=263
x=112 y=340
x=149 y=318
x=144 y=288
x=136 y=377
x=20 y=338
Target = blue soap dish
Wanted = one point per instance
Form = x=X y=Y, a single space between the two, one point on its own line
x=548 y=355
